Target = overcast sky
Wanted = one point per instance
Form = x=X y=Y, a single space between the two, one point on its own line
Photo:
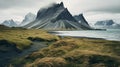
x=93 y=10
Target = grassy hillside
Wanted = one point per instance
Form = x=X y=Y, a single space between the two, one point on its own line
x=22 y=38
x=74 y=52
x=63 y=52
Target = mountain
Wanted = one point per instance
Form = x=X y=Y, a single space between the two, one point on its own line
x=28 y=18
x=10 y=23
x=106 y=24
x=55 y=17
x=80 y=18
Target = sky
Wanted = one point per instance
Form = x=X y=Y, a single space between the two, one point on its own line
x=93 y=10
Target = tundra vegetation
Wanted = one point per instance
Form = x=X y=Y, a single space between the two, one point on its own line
x=62 y=52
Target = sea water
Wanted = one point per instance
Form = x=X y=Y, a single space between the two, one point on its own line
x=109 y=34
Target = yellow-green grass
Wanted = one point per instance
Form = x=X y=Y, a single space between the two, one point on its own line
x=20 y=37
x=48 y=62
x=75 y=52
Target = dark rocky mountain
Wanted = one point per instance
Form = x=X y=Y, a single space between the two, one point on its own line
x=10 y=23
x=80 y=18
x=56 y=17
x=28 y=18
x=106 y=24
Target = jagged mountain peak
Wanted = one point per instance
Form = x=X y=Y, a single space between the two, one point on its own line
x=29 y=17
x=10 y=23
x=45 y=12
x=61 y=4
x=65 y=15
x=55 y=17
x=29 y=14
x=80 y=18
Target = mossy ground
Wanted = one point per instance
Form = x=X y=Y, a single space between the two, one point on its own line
x=63 y=52
x=20 y=37
x=75 y=52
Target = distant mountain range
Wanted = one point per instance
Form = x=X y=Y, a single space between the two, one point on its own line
x=28 y=18
x=57 y=17
x=106 y=24
x=10 y=23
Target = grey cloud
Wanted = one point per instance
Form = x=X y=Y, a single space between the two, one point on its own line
x=74 y=6
x=5 y=4
x=11 y=3
x=78 y=6
x=18 y=8
x=111 y=10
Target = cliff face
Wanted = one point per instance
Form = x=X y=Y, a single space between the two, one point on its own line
x=55 y=17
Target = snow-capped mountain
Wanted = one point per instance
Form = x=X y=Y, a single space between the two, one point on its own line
x=80 y=18
x=106 y=24
x=28 y=18
x=10 y=23
x=55 y=17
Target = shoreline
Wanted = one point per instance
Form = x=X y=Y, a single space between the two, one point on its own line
x=57 y=33
x=87 y=38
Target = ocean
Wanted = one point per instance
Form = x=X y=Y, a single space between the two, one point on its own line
x=109 y=34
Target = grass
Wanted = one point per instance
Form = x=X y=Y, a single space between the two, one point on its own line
x=21 y=37
x=63 y=52
x=48 y=62
x=76 y=52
